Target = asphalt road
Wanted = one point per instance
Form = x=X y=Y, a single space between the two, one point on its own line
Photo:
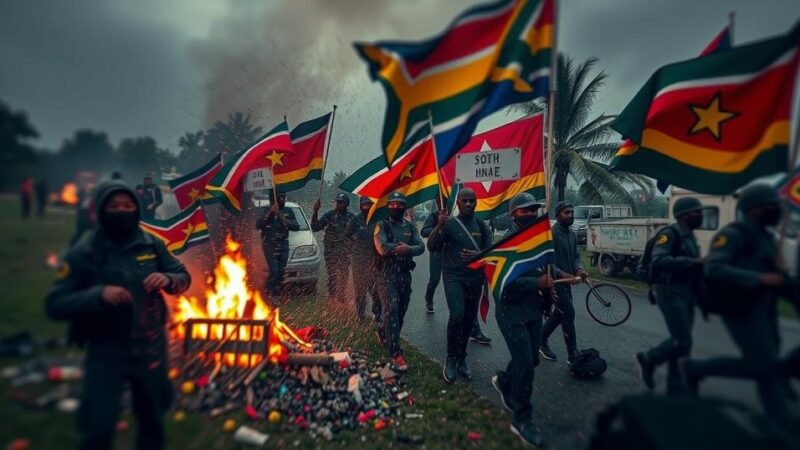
x=563 y=406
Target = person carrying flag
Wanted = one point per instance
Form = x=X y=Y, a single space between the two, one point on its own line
x=275 y=226
x=459 y=239
x=519 y=317
x=360 y=233
x=435 y=260
x=337 y=256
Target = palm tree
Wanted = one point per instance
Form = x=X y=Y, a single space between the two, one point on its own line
x=580 y=146
x=193 y=151
x=233 y=135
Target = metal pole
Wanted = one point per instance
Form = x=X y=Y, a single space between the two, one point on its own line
x=436 y=158
x=325 y=155
x=551 y=107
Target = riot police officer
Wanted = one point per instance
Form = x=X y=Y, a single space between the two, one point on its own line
x=397 y=241
x=742 y=262
x=275 y=226
x=109 y=289
x=460 y=239
x=361 y=234
x=519 y=317
x=337 y=254
x=434 y=259
x=676 y=273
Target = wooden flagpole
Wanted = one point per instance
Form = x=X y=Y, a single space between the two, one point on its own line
x=436 y=158
x=325 y=155
x=551 y=108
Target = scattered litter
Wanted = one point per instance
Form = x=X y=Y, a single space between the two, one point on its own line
x=474 y=436
x=247 y=435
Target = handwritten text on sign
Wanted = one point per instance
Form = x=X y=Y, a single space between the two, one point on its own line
x=496 y=165
x=258 y=179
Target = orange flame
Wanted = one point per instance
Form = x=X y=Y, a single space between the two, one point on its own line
x=228 y=297
x=69 y=194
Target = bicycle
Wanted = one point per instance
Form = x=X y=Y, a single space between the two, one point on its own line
x=607 y=303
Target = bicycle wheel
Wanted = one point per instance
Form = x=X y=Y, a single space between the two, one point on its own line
x=608 y=304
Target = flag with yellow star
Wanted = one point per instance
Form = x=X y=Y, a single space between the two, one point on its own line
x=714 y=123
x=268 y=151
x=306 y=160
x=191 y=187
x=789 y=187
x=492 y=55
x=413 y=174
x=185 y=230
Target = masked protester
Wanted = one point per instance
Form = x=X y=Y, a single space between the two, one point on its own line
x=337 y=253
x=361 y=233
x=109 y=289
x=275 y=226
x=459 y=239
x=677 y=272
x=568 y=266
x=742 y=261
x=397 y=242
x=519 y=317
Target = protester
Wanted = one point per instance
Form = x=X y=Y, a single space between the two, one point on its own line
x=677 y=272
x=459 y=239
x=742 y=262
x=397 y=242
x=85 y=216
x=275 y=226
x=26 y=196
x=361 y=234
x=41 y=197
x=434 y=260
x=519 y=317
x=337 y=254
x=568 y=265
x=150 y=197
x=109 y=289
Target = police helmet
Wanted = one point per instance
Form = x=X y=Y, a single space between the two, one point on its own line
x=686 y=205
x=343 y=198
x=523 y=200
x=365 y=200
x=757 y=195
x=397 y=197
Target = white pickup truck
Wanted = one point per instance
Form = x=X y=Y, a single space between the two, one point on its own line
x=617 y=244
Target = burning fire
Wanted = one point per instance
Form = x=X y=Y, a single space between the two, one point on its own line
x=228 y=297
x=69 y=194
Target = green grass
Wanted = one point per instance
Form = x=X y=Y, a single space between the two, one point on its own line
x=624 y=278
x=450 y=411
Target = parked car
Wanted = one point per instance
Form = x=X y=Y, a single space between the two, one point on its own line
x=304 y=252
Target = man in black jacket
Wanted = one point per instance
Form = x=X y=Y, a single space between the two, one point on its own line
x=337 y=254
x=109 y=289
x=275 y=226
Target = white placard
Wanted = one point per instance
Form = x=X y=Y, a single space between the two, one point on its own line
x=258 y=179
x=496 y=165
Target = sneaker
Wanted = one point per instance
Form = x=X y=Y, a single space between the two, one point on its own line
x=528 y=433
x=429 y=306
x=463 y=369
x=496 y=384
x=546 y=353
x=480 y=338
x=646 y=370
x=400 y=363
x=450 y=370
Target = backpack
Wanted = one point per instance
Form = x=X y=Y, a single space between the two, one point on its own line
x=644 y=270
x=724 y=298
x=588 y=364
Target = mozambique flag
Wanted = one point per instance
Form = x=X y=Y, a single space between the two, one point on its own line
x=179 y=233
x=789 y=187
x=191 y=187
x=413 y=174
x=491 y=56
x=505 y=261
x=305 y=162
x=525 y=134
x=268 y=151
x=713 y=123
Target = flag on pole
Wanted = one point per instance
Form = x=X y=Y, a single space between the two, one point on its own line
x=789 y=188
x=413 y=174
x=179 y=233
x=268 y=151
x=527 y=249
x=305 y=162
x=713 y=123
x=191 y=187
x=527 y=134
x=491 y=56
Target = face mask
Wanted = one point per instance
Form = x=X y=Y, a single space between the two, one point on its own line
x=396 y=213
x=695 y=222
x=772 y=216
x=365 y=211
x=119 y=225
x=524 y=221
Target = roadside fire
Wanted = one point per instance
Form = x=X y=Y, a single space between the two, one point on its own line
x=69 y=194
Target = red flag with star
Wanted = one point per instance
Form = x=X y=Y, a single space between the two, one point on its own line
x=268 y=151
x=186 y=229
x=191 y=187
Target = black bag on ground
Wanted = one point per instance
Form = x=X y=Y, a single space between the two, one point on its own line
x=667 y=423
x=588 y=364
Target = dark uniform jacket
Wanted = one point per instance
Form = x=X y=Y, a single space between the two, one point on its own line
x=95 y=262
x=526 y=287
x=403 y=231
x=334 y=224
x=568 y=260
x=674 y=259
x=739 y=259
x=361 y=235
x=274 y=234
x=451 y=239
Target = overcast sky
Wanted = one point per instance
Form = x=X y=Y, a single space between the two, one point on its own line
x=164 y=67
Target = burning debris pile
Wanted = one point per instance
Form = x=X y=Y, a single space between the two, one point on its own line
x=232 y=352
